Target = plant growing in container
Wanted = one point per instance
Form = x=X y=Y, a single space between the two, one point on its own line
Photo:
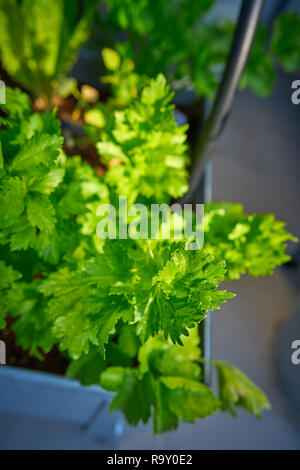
x=124 y=312
x=40 y=41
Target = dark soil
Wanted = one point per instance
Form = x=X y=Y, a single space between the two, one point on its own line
x=87 y=152
x=73 y=132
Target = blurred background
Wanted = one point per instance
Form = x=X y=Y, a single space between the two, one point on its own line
x=257 y=163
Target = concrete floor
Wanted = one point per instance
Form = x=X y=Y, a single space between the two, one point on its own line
x=256 y=163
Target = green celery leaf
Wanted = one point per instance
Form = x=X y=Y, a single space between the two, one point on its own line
x=38 y=155
x=253 y=243
x=179 y=293
x=145 y=141
x=87 y=368
x=134 y=397
x=236 y=389
x=188 y=399
x=32 y=327
x=40 y=212
x=18 y=105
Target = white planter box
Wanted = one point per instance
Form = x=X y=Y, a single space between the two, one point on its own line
x=50 y=397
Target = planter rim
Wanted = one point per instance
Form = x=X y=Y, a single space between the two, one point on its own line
x=48 y=379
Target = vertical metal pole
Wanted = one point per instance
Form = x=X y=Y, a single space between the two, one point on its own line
x=241 y=44
x=205 y=327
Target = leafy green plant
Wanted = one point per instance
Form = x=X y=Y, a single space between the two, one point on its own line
x=282 y=47
x=193 y=51
x=253 y=243
x=125 y=312
x=141 y=138
x=168 y=381
x=286 y=41
x=40 y=39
